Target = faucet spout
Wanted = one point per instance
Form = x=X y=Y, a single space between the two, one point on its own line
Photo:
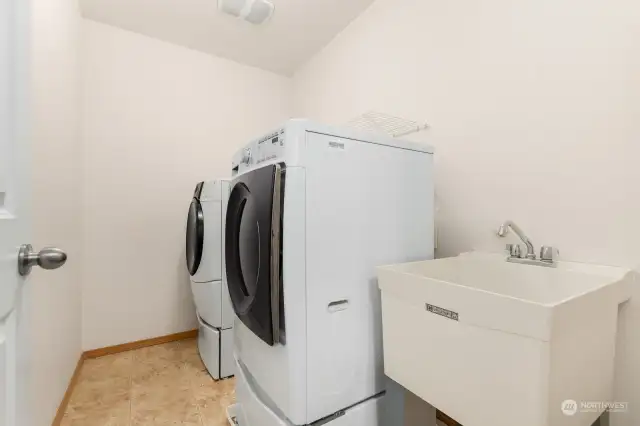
x=504 y=230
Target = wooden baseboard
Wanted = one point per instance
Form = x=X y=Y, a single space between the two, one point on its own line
x=110 y=350
x=62 y=408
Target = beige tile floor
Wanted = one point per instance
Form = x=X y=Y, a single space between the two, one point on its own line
x=160 y=385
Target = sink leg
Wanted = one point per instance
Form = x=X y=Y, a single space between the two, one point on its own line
x=418 y=412
x=603 y=420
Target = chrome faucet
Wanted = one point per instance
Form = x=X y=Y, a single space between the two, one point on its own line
x=504 y=230
x=548 y=255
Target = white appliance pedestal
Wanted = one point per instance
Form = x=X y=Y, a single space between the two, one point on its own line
x=216 y=350
x=251 y=408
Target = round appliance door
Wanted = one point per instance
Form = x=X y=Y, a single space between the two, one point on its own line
x=248 y=251
x=195 y=236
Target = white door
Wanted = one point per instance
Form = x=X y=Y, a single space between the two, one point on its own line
x=14 y=212
x=13 y=226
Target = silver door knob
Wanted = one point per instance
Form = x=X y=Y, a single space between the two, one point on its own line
x=47 y=258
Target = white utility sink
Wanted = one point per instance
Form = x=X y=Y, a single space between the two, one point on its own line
x=493 y=343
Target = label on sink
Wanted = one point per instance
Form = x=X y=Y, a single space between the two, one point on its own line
x=442 y=312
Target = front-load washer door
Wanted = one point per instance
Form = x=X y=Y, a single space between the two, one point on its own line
x=195 y=233
x=253 y=249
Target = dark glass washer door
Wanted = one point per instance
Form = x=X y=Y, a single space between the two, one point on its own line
x=249 y=246
x=195 y=236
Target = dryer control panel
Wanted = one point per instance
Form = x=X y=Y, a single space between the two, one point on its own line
x=270 y=147
x=263 y=150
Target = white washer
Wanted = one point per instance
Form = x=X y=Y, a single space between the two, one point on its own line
x=312 y=211
x=204 y=250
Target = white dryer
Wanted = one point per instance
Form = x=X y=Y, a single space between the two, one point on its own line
x=312 y=211
x=205 y=262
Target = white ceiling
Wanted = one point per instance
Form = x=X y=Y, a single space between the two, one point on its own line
x=297 y=30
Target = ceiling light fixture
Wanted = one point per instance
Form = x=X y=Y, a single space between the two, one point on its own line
x=255 y=11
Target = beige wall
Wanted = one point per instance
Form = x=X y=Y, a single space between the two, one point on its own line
x=158 y=118
x=534 y=112
x=54 y=297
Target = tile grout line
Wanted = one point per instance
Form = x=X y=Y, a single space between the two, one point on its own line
x=133 y=359
x=200 y=417
x=195 y=400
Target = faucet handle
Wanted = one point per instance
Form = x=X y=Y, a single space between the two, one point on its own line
x=549 y=254
x=514 y=250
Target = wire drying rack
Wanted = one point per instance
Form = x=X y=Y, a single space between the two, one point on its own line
x=378 y=122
